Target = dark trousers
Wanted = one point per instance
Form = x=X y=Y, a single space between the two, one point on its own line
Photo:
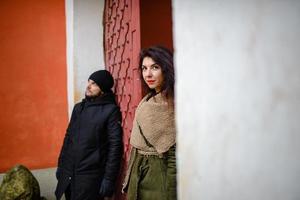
x=68 y=194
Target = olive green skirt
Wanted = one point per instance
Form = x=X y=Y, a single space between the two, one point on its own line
x=148 y=178
x=152 y=177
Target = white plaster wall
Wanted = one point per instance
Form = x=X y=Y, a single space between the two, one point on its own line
x=238 y=99
x=69 y=6
x=85 y=49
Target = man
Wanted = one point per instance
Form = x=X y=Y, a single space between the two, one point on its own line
x=90 y=157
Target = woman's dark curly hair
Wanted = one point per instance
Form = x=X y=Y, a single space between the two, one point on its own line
x=164 y=58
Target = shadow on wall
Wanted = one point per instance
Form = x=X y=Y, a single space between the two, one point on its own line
x=47 y=181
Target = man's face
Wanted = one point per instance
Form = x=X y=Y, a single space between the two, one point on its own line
x=92 y=89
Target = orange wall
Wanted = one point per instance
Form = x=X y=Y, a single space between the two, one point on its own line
x=33 y=96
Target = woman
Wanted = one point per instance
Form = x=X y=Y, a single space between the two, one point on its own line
x=151 y=170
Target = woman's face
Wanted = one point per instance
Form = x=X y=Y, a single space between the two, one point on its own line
x=152 y=74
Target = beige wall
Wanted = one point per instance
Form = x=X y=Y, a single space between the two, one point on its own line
x=238 y=99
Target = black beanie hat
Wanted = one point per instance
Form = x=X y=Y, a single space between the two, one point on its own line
x=104 y=80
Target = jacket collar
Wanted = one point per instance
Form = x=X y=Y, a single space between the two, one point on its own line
x=106 y=98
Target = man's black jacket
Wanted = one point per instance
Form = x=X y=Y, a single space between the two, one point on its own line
x=92 y=149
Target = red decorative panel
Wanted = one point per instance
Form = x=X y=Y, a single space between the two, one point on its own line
x=121 y=48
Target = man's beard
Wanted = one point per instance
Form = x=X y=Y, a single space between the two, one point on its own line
x=91 y=97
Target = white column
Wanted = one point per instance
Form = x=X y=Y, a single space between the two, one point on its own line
x=70 y=55
x=84 y=44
